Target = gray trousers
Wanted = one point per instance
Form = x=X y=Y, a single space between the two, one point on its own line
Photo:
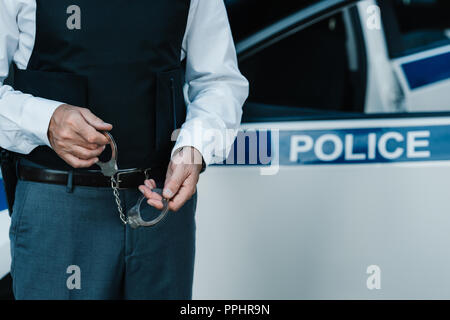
x=72 y=245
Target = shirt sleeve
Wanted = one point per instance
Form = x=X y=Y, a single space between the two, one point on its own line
x=215 y=90
x=24 y=119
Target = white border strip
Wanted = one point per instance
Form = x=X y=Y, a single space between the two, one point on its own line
x=348 y=124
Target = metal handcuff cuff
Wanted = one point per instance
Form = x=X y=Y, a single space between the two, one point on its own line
x=133 y=218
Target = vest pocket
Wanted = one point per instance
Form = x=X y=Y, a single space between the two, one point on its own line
x=64 y=87
x=170 y=111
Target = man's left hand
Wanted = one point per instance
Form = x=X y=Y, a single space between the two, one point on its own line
x=181 y=180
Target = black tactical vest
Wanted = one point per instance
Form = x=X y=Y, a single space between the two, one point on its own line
x=122 y=61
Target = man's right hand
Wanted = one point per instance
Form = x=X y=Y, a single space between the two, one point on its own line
x=74 y=134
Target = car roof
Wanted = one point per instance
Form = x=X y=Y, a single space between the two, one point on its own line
x=249 y=16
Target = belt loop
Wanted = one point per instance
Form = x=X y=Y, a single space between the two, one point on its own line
x=69 y=187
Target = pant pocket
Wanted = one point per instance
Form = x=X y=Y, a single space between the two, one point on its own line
x=21 y=194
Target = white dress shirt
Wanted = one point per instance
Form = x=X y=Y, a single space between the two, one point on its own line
x=214 y=90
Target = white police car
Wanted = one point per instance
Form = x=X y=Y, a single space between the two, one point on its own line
x=337 y=186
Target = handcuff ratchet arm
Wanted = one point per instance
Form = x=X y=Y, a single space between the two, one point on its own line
x=110 y=167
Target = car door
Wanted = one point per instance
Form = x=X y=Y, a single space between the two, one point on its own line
x=317 y=199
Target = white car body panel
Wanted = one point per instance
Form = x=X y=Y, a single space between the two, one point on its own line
x=311 y=231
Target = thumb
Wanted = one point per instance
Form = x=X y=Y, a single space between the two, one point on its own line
x=95 y=121
x=173 y=182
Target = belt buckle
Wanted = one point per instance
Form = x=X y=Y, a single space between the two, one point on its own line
x=146 y=172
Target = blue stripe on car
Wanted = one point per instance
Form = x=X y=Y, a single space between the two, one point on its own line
x=427 y=71
x=341 y=146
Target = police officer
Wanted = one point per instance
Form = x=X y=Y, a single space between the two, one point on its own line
x=139 y=70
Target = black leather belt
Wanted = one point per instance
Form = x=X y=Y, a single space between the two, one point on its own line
x=127 y=179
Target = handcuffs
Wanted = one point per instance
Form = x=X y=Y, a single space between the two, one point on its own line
x=133 y=218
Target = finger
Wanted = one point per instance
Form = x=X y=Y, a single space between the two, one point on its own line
x=155 y=200
x=91 y=146
x=86 y=154
x=173 y=182
x=156 y=204
x=149 y=194
x=91 y=135
x=150 y=183
x=95 y=121
x=78 y=163
x=75 y=138
x=184 y=194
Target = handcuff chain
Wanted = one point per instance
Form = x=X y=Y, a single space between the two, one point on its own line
x=114 y=186
x=133 y=218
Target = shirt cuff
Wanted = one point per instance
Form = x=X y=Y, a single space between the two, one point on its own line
x=187 y=138
x=37 y=113
x=184 y=143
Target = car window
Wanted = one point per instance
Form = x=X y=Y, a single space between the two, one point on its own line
x=249 y=16
x=307 y=70
x=415 y=25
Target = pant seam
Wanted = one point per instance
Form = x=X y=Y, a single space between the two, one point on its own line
x=16 y=230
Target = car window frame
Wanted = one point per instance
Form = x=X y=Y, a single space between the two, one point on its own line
x=293 y=24
x=394 y=38
x=289 y=25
